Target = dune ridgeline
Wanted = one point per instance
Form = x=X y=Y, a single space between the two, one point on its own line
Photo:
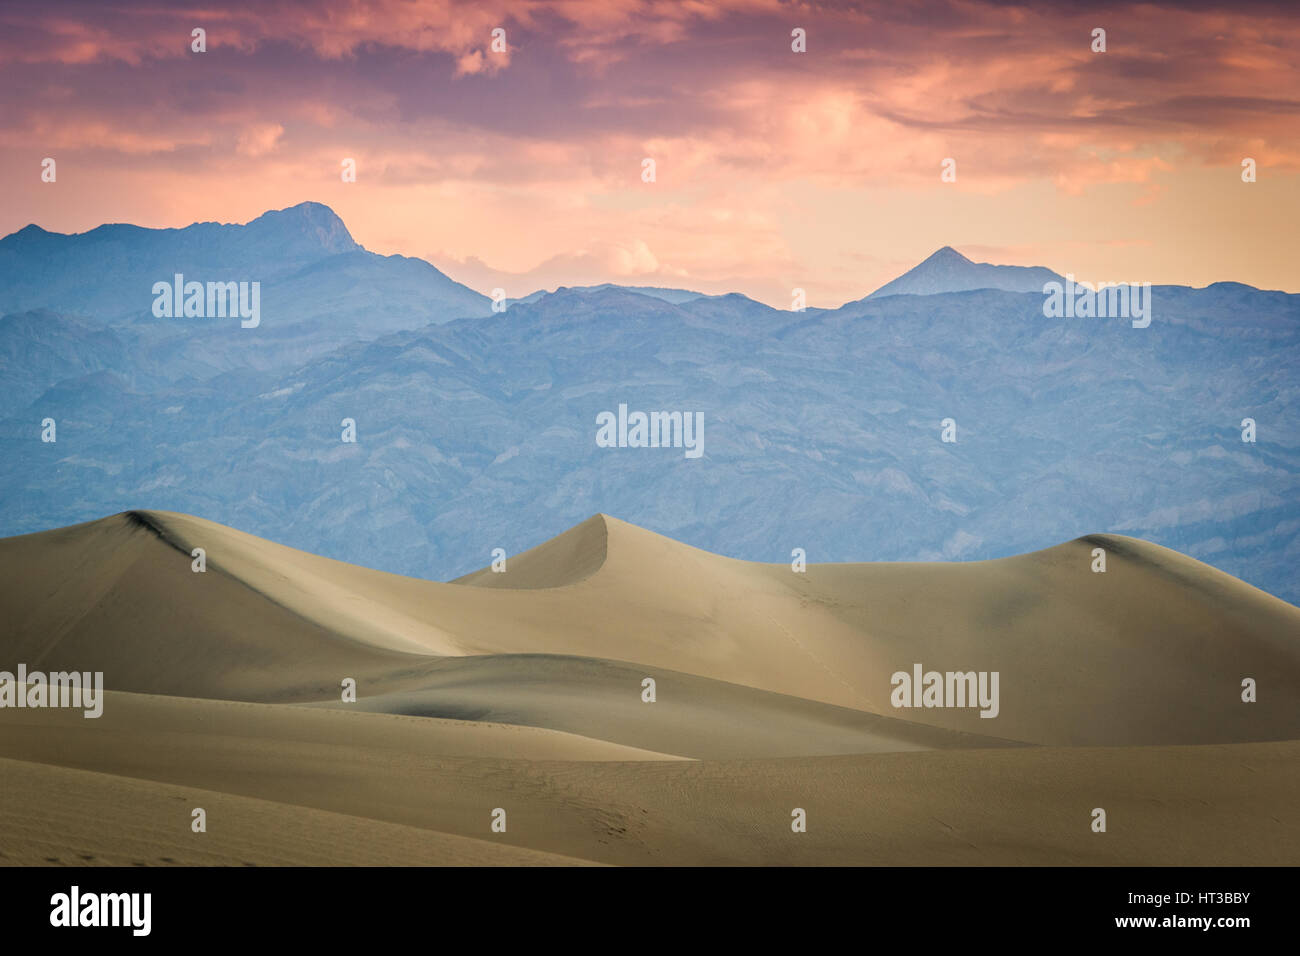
x=616 y=697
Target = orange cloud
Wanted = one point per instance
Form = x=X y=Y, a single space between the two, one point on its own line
x=774 y=168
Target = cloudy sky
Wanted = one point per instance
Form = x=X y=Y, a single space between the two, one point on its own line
x=774 y=169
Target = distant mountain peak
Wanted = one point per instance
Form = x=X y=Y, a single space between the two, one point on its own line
x=27 y=234
x=947 y=270
x=302 y=212
x=946 y=254
x=311 y=220
x=303 y=256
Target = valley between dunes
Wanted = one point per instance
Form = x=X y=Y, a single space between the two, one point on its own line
x=523 y=691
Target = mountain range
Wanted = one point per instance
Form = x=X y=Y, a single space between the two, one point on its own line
x=319 y=288
x=476 y=430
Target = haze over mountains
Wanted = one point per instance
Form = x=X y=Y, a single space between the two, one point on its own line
x=476 y=430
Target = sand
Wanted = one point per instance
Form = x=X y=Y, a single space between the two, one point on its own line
x=523 y=691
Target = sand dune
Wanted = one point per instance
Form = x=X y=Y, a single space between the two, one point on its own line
x=526 y=686
x=1215 y=805
x=1153 y=651
x=692 y=717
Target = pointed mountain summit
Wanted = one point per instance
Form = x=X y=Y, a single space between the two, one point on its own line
x=276 y=242
x=949 y=271
x=319 y=286
x=311 y=224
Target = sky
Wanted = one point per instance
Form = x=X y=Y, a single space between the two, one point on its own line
x=774 y=169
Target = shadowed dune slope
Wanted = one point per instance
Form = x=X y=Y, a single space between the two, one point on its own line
x=692 y=716
x=565 y=559
x=1151 y=652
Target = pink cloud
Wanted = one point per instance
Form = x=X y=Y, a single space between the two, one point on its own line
x=534 y=155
